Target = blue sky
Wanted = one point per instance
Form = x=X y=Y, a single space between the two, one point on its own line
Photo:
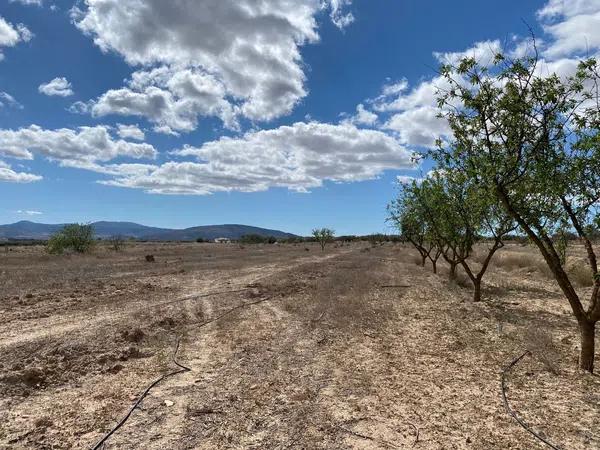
x=289 y=116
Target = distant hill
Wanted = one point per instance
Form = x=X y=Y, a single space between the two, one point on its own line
x=32 y=230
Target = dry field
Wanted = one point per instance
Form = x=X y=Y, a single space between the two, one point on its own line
x=343 y=349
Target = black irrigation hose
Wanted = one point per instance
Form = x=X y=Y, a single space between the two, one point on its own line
x=182 y=369
x=511 y=411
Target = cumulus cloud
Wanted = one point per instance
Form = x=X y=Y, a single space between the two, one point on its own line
x=484 y=52
x=83 y=147
x=362 y=116
x=297 y=157
x=8 y=100
x=130 y=132
x=412 y=113
x=171 y=98
x=7 y=174
x=235 y=57
x=574 y=26
x=419 y=126
x=59 y=86
x=11 y=35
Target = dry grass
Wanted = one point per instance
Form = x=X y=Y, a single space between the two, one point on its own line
x=541 y=345
x=416 y=259
x=512 y=260
x=580 y=273
x=462 y=279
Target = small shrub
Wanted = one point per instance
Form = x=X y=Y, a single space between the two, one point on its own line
x=462 y=279
x=580 y=274
x=518 y=260
x=416 y=259
x=541 y=345
x=323 y=236
x=78 y=238
x=117 y=243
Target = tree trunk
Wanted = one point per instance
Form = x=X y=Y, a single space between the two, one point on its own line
x=452 y=271
x=586 y=360
x=423 y=260
x=477 y=290
x=434 y=264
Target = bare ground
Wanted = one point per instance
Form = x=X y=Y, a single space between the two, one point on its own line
x=346 y=348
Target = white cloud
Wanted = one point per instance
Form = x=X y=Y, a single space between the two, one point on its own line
x=400 y=98
x=236 y=57
x=484 y=52
x=395 y=88
x=74 y=148
x=340 y=18
x=130 y=132
x=7 y=174
x=406 y=179
x=11 y=35
x=28 y=2
x=8 y=100
x=29 y=212
x=59 y=86
x=419 y=126
x=574 y=26
x=297 y=157
x=413 y=112
x=556 y=8
x=171 y=98
x=362 y=117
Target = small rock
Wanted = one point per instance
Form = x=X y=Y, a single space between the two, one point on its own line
x=169 y=403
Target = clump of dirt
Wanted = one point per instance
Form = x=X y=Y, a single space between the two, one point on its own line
x=134 y=335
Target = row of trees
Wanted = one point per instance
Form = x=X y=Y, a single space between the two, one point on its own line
x=445 y=216
x=524 y=152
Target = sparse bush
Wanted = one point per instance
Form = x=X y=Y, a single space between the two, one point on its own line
x=541 y=346
x=416 y=259
x=78 y=238
x=323 y=236
x=462 y=280
x=517 y=260
x=581 y=274
x=117 y=243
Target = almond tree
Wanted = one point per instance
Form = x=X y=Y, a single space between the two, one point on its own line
x=407 y=216
x=533 y=140
x=462 y=215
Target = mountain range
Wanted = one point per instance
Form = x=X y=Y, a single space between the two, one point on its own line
x=32 y=230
